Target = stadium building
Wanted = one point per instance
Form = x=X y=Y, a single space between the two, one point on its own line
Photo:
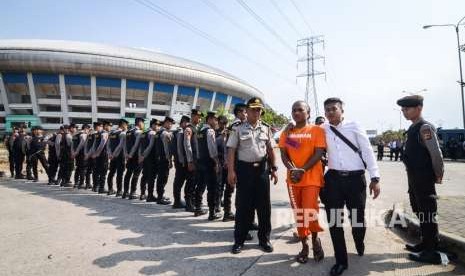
x=49 y=83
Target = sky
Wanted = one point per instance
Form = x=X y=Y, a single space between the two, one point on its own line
x=374 y=50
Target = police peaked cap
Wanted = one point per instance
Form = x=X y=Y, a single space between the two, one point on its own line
x=168 y=119
x=255 y=103
x=185 y=118
x=196 y=112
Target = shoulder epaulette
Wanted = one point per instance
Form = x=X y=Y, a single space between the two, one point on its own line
x=265 y=124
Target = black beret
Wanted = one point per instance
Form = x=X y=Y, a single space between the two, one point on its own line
x=107 y=123
x=411 y=101
x=223 y=119
x=185 y=118
x=255 y=103
x=196 y=112
x=85 y=126
x=65 y=126
x=98 y=124
x=72 y=125
x=123 y=121
x=139 y=119
x=168 y=119
x=154 y=121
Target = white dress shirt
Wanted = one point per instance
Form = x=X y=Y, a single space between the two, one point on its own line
x=341 y=157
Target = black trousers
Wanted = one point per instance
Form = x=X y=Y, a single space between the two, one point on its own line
x=116 y=166
x=163 y=171
x=90 y=172
x=225 y=191
x=66 y=167
x=423 y=199
x=180 y=177
x=252 y=194
x=340 y=191
x=18 y=158
x=81 y=170
x=101 y=169
x=149 y=173
x=133 y=170
x=53 y=165
x=191 y=182
x=35 y=160
x=208 y=179
x=28 y=166
x=11 y=160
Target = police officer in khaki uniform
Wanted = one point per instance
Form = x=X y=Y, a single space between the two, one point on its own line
x=251 y=143
x=423 y=160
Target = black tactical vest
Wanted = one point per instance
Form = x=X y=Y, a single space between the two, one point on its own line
x=76 y=139
x=221 y=144
x=130 y=139
x=18 y=143
x=194 y=142
x=98 y=140
x=416 y=156
x=204 y=155
x=90 y=141
x=159 y=148
x=37 y=144
x=113 y=139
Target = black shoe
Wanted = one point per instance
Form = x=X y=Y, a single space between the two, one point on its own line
x=118 y=193
x=143 y=197
x=337 y=269
x=179 y=205
x=249 y=237
x=30 y=178
x=416 y=248
x=111 y=192
x=151 y=199
x=19 y=176
x=360 y=248
x=228 y=216
x=266 y=246
x=132 y=196
x=124 y=195
x=213 y=216
x=217 y=210
x=426 y=256
x=163 y=201
x=35 y=180
x=237 y=248
x=94 y=189
x=200 y=212
x=87 y=187
x=67 y=184
x=254 y=227
x=102 y=191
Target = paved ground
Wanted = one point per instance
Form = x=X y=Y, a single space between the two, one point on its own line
x=54 y=231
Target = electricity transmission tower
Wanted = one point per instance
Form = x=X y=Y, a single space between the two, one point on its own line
x=308 y=59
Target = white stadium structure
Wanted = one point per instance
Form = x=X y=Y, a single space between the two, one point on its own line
x=49 y=83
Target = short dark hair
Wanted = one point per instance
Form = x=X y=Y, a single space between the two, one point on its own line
x=238 y=108
x=332 y=101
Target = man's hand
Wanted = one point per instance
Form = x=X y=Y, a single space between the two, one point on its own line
x=110 y=157
x=439 y=180
x=296 y=175
x=190 y=166
x=170 y=165
x=274 y=177
x=232 y=178
x=217 y=168
x=375 y=189
x=141 y=159
x=289 y=126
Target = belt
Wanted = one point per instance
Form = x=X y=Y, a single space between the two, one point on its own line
x=346 y=173
x=252 y=164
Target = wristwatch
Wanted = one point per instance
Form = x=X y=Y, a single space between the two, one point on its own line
x=375 y=179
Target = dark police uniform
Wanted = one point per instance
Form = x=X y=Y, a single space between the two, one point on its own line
x=90 y=179
x=79 y=144
x=101 y=161
x=207 y=164
x=63 y=145
x=37 y=147
x=180 y=164
x=29 y=152
x=147 y=150
x=253 y=182
x=52 y=159
x=133 y=169
x=115 y=149
x=192 y=155
x=423 y=161
x=163 y=156
x=19 y=153
x=224 y=188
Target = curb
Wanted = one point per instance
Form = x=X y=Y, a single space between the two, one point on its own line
x=451 y=242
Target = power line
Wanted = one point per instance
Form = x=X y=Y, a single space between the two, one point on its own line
x=288 y=21
x=302 y=16
x=265 y=25
x=257 y=40
x=154 y=7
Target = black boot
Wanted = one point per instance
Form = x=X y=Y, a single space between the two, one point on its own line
x=213 y=215
x=228 y=216
x=189 y=205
